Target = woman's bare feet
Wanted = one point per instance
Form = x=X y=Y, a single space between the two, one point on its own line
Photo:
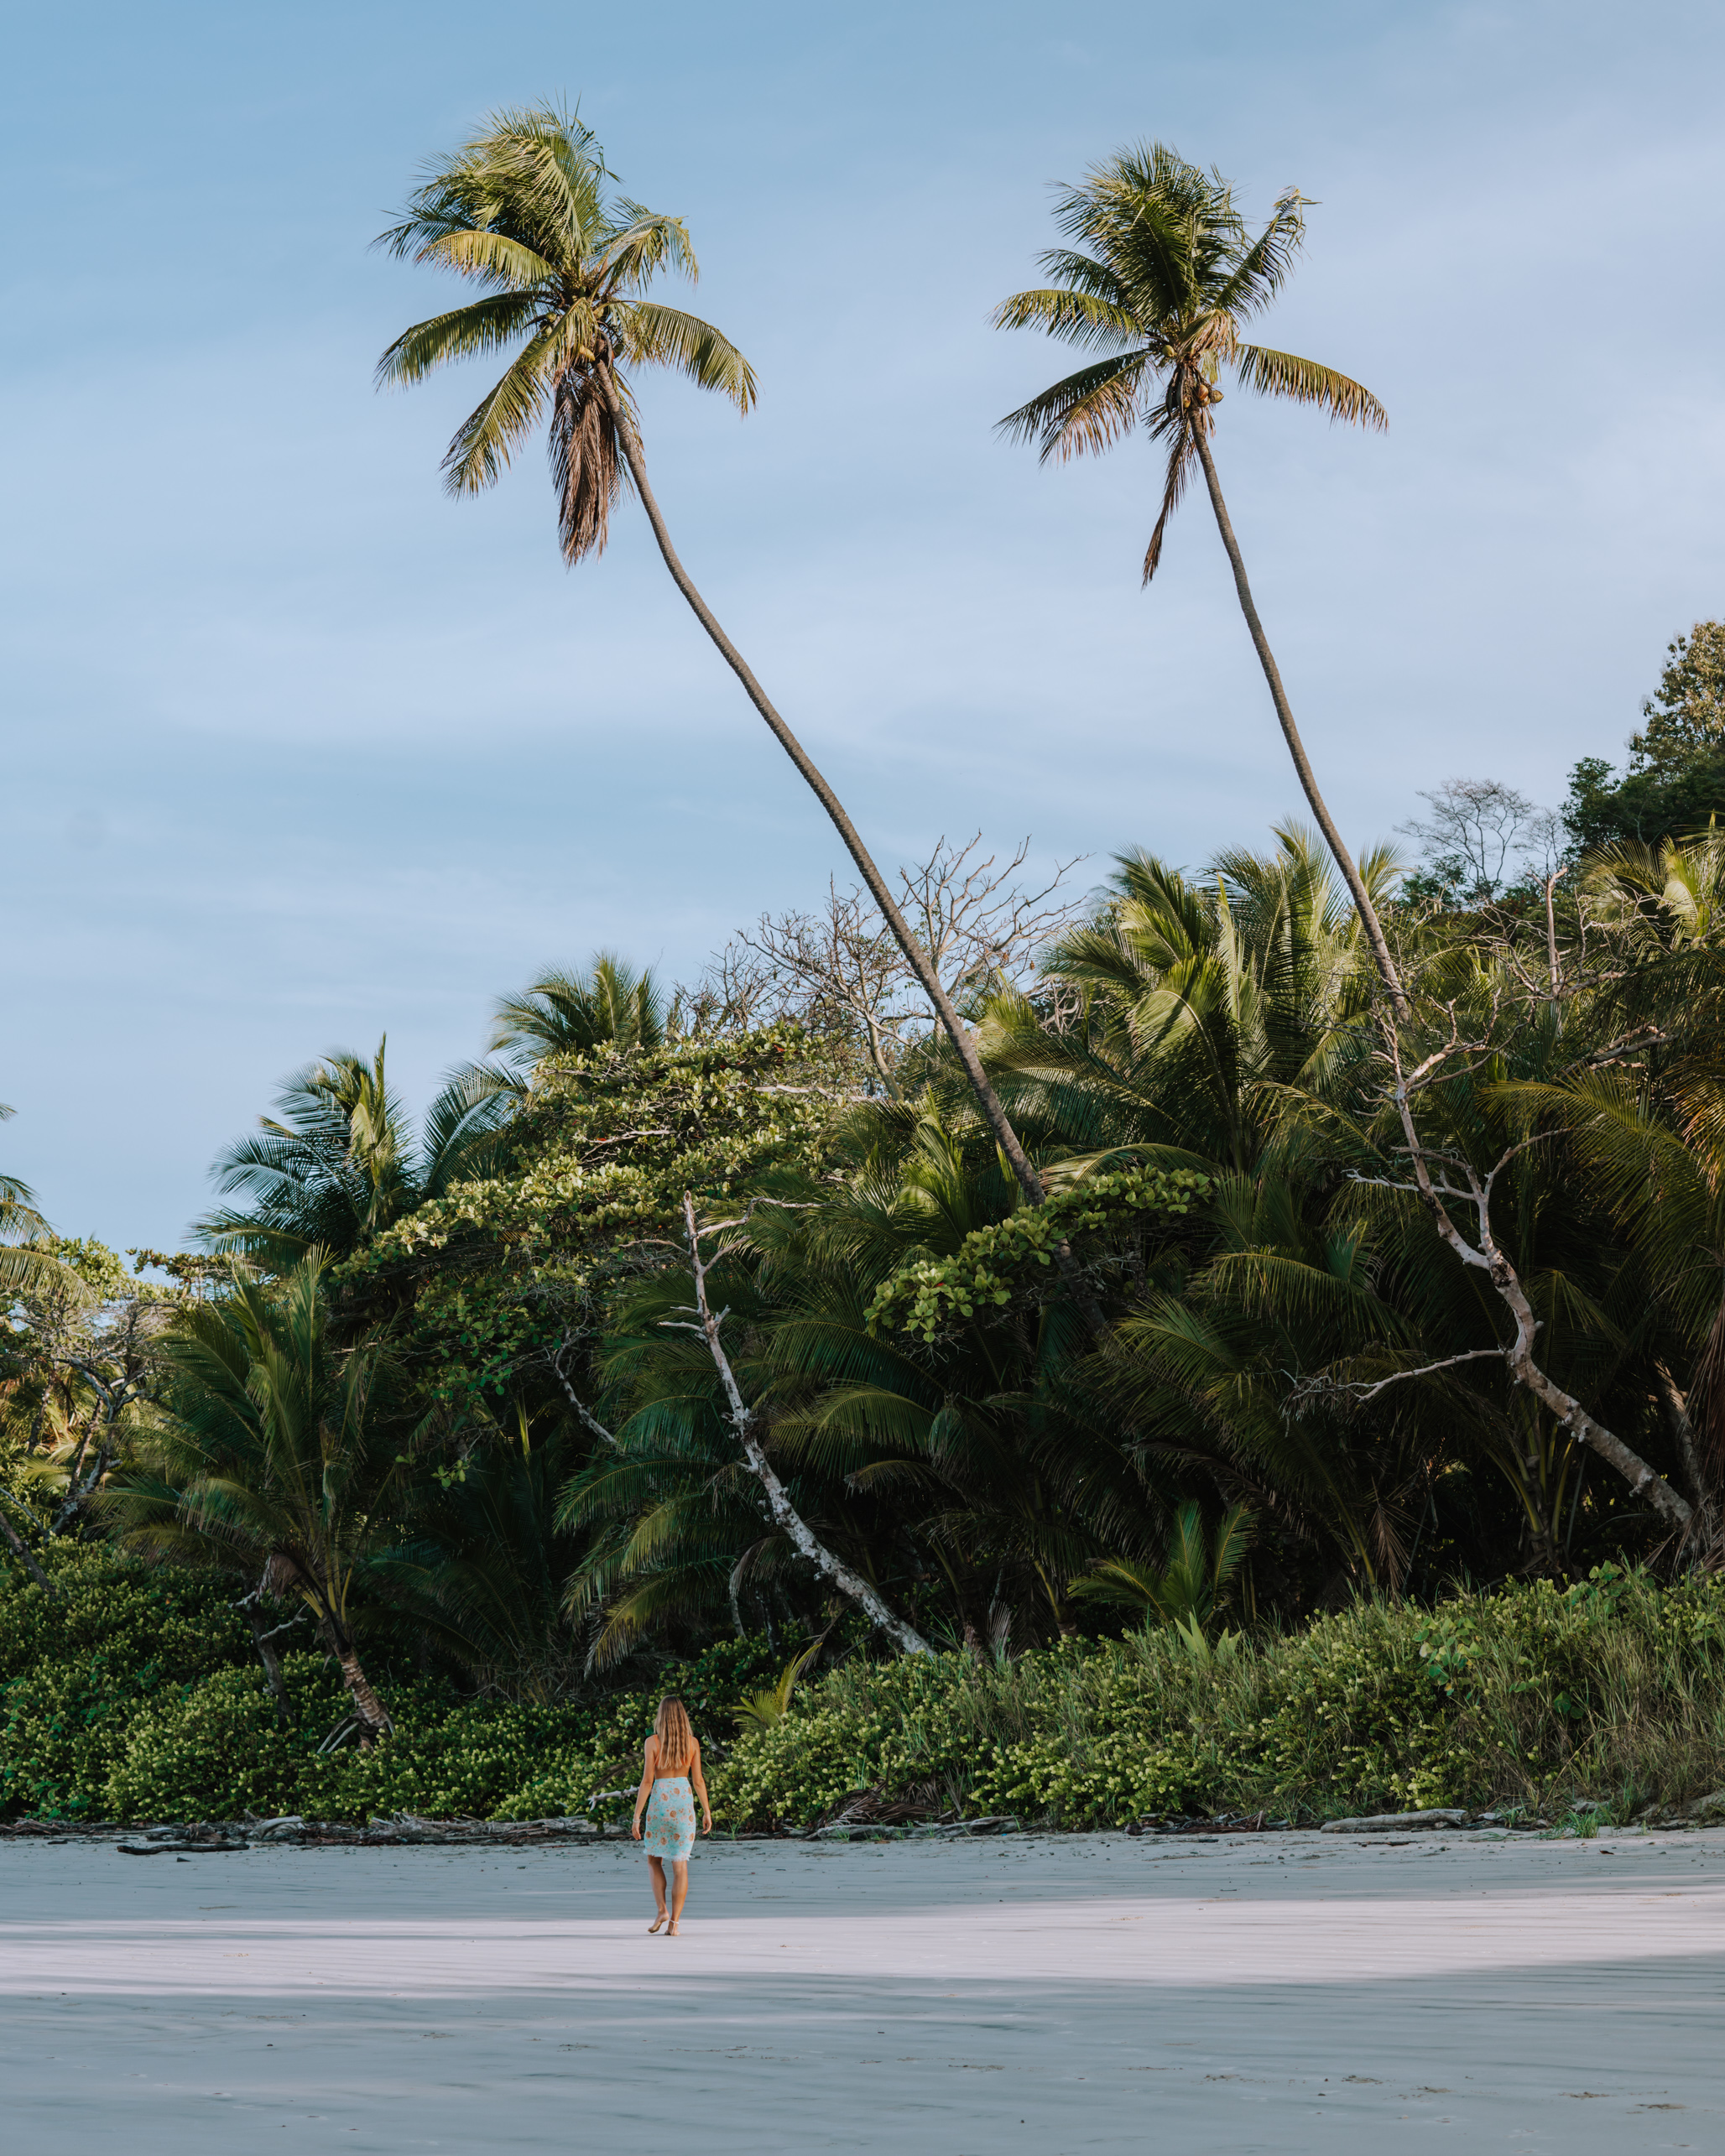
x=656 y=1922
x=673 y=1933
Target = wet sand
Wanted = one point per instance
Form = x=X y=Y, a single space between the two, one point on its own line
x=1050 y=1994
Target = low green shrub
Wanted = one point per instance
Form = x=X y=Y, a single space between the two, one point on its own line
x=215 y=1749
x=136 y=1695
x=157 y=1622
x=76 y=1668
x=1524 y=1697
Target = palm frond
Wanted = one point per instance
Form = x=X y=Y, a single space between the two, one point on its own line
x=665 y=336
x=1088 y=412
x=1182 y=455
x=464 y=333
x=1305 y=381
x=484 y=443
x=1078 y=317
x=588 y=466
x=640 y=244
x=1265 y=266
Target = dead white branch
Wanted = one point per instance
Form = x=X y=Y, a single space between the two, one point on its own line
x=586 y=1413
x=1365 y=1390
x=1484 y=1253
x=786 y=1516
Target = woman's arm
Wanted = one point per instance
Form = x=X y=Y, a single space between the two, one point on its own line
x=697 y=1781
x=648 y=1751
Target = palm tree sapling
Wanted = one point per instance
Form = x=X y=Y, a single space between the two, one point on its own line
x=270 y=1456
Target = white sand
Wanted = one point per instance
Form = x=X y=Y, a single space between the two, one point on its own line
x=1051 y=1995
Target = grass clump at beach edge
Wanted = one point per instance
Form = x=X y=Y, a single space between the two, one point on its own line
x=1522 y=1698
x=134 y=1699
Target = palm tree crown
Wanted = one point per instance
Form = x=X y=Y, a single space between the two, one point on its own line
x=23 y=1270
x=524 y=210
x=609 y=1006
x=18 y=1218
x=342 y=1165
x=1171 y=277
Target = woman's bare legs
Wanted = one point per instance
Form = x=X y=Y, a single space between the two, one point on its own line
x=656 y=1872
x=679 y=1890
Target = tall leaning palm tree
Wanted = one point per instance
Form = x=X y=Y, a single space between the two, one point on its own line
x=525 y=211
x=1160 y=283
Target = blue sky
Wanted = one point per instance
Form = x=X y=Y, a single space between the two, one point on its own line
x=296 y=751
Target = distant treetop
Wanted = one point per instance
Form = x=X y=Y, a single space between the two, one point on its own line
x=1676 y=778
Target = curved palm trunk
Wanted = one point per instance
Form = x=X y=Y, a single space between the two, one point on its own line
x=373 y=1713
x=1290 y=733
x=915 y=956
x=1644 y=1481
x=369 y=1707
x=1487 y=1255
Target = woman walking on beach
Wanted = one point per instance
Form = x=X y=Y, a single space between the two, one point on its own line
x=670 y=1770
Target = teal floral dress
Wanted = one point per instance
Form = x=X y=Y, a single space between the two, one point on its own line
x=668 y=1830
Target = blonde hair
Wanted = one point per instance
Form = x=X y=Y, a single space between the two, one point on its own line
x=676 y=1740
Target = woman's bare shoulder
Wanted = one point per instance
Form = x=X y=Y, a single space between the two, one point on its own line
x=650 y=1747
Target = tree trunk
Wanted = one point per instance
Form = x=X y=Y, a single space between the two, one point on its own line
x=69 y=1509
x=1290 y=733
x=1676 y=1408
x=915 y=956
x=367 y=1704
x=808 y=1545
x=993 y=1113
x=271 y=1669
x=15 y=1543
x=74 y=1505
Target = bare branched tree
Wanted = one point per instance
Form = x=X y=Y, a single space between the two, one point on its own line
x=1479 y=835
x=841 y=970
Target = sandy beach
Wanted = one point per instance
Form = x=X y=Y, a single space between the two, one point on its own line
x=1053 y=1994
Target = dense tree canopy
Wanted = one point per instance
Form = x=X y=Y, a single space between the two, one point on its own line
x=1303 y=1389
x=1675 y=780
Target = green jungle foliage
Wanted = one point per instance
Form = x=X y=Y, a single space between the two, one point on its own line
x=594 y=1163
x=133 y=1693
x=693 y=1330
x=1611 y=1690
x=1113 y=1378
x=132 y=1699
